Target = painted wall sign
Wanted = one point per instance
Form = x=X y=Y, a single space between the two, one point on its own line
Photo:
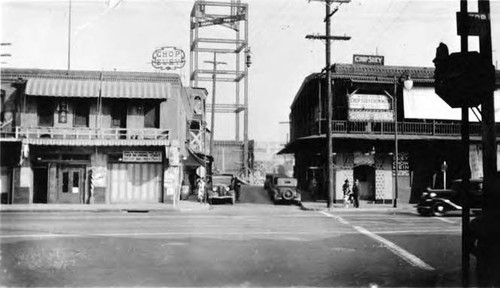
x=370 y=115
x=368 y=59
x=369 y=101
x=142 y=156
x=168 y=58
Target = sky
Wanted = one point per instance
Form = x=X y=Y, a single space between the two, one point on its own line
x=122 y=35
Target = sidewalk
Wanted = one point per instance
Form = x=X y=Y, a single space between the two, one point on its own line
x=337 y=207
x=129 y=208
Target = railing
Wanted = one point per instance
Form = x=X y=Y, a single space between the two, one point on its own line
x=90 y=133
x=431 y=128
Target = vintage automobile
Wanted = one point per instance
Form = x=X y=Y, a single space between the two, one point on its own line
x=222 y=189
x=282 y=189
x=438 y=202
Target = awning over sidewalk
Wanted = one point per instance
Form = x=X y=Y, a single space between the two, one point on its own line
x=60 y=87
x=197 y=159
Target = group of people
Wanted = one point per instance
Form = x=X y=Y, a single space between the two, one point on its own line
x=351 y=197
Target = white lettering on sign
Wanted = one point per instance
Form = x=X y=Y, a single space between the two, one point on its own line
x=370 y=115
x=142 y=156
x=168 y=58
x=368 y=59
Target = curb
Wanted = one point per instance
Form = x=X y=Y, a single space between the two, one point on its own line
x=351 y=209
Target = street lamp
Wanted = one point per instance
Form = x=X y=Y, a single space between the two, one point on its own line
x=407 y=82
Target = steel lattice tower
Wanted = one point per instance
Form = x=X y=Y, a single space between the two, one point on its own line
x=207 y=42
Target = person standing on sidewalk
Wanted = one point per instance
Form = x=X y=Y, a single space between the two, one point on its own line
x=346 y=189
x=355 y=193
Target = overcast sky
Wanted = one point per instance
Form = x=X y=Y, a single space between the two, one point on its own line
x=122 y=35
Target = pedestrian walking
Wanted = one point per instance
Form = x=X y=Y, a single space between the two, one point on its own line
x=313 y=188
x=355 y=193
x=346 y=189
x=200 y=186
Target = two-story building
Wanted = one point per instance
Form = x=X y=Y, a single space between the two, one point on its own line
x=365 y=98
x=93 y=137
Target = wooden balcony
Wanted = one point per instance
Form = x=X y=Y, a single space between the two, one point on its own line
x=87 y=136
x=429 y=129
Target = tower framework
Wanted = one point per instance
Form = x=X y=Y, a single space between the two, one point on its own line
x=220 y=29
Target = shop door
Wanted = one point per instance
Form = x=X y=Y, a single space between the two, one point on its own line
x=135 y=183
x=366 y=176
x=71 y=184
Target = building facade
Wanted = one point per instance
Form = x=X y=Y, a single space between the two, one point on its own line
x=88 y=137
x=368 y=102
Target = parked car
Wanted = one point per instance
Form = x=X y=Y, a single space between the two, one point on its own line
x=282 y=189
x=438 y=202
x=222 y=189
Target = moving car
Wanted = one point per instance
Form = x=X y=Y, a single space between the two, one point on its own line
x=282 y=189
x=438 y=202
x=222 y=189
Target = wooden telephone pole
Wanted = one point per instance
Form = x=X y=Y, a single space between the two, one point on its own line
x=214 y=83
x=328 y=38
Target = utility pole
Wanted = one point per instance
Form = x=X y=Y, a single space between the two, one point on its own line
x=464 y=48
x=490 y=246
x=328 y=38
x=214 y=81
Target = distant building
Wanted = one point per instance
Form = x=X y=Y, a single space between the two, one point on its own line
x=363 y=132
x=97 y=137
x=265 y=160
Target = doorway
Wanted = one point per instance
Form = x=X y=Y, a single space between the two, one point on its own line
x=366 y=176
x=40 y=182
x=71 y=184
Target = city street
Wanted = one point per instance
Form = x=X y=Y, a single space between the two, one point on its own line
x=248 y=244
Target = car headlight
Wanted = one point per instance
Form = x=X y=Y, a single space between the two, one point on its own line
x=425 y=194
x=214 y=189
x=226 y=188
x=433 y=194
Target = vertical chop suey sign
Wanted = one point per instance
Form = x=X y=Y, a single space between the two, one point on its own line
x=168 y=58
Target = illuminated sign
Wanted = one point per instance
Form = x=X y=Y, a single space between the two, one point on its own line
x=168 y=58
x=368 y=59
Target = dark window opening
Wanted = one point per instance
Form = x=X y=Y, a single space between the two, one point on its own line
x=151 y=115
x=45 y=109
x=118 y=115
x=81 y=113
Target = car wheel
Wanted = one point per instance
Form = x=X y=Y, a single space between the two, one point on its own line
x=438 y=209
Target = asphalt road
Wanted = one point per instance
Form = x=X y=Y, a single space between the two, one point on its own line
x=250 y=244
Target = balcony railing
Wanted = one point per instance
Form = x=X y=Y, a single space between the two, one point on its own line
x=430 y=128
x=88 y=133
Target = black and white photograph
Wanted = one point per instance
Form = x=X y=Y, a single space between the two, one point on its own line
x=250 y=143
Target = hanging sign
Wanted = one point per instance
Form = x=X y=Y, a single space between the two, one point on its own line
x=168 y=58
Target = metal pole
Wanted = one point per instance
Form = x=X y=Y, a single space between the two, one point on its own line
x=69 y=36
x=464 y=47
x=329 y=109
x=396 y=148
